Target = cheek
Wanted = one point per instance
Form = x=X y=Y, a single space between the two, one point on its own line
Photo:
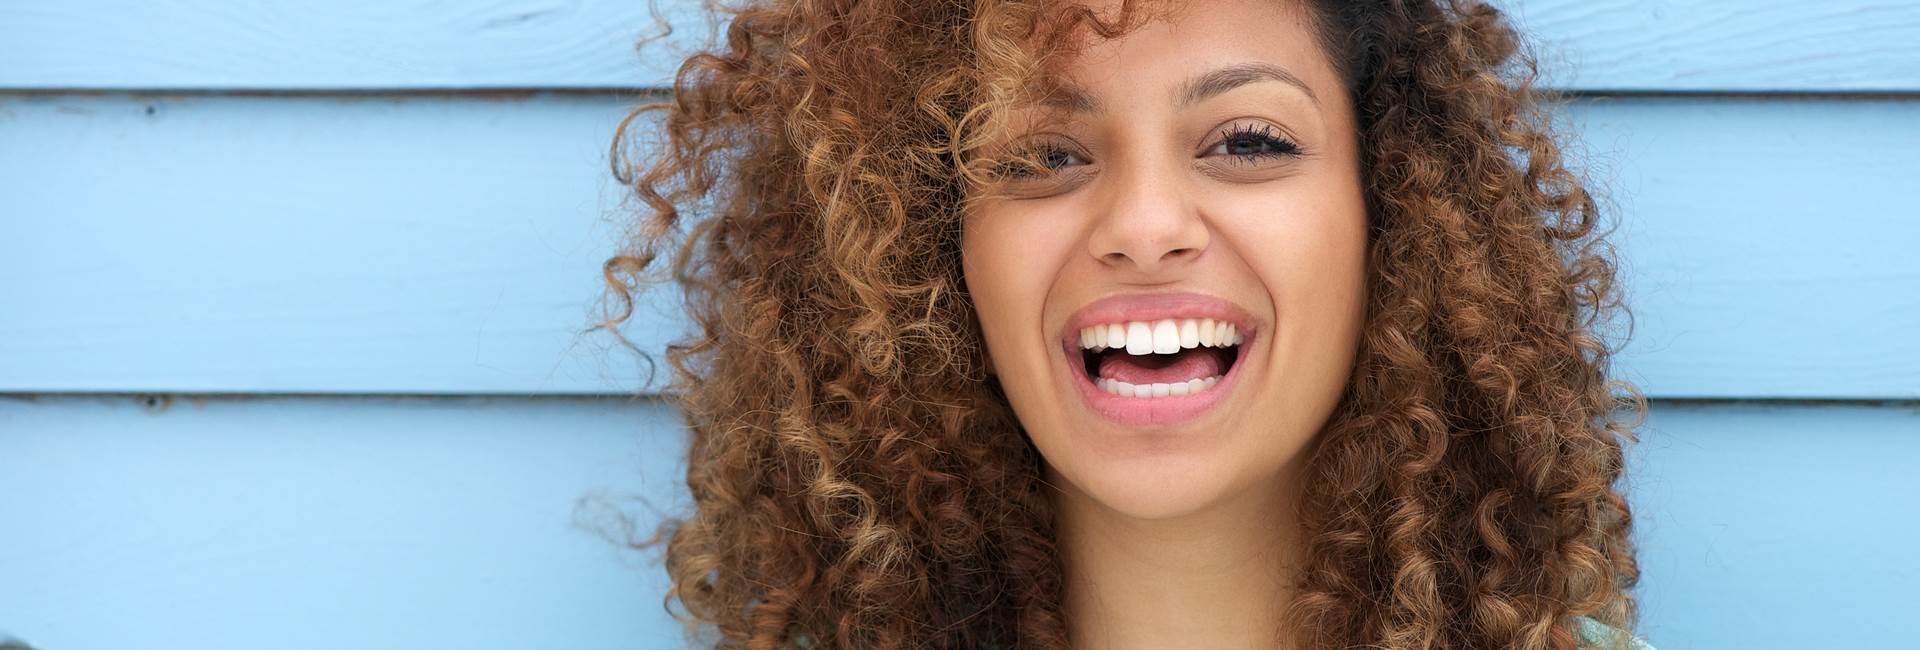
x=1308 y=247
x=1323 y=258
x=996 y=264
x=1303 y=238
x=1011 y=258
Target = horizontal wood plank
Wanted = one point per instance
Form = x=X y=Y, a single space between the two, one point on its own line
x=1726 y=45
x=1764 y=243
x=1596 y=45
x=341 y=44
x=445 y=246
x=1731 y=502
x=214 y=245
x=452 y=523
x=317 y=524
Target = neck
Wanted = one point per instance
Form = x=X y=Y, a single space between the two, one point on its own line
x=1216 y=578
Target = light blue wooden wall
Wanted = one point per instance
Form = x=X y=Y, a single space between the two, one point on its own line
x=351 y=244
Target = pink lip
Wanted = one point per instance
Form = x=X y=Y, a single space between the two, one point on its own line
x=1153 y=411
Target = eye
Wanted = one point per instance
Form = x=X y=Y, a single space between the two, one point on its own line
x=1248 y=143
x=1039 y=160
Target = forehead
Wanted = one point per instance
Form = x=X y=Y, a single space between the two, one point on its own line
x=1179 y=41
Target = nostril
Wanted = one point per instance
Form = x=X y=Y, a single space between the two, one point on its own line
x=1118 y=258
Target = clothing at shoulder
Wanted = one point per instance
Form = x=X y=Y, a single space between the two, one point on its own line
x=1600 y=635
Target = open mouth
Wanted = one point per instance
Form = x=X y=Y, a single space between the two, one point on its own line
x=1159 y=359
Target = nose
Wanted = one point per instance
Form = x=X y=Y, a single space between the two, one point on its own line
x=1149 y=224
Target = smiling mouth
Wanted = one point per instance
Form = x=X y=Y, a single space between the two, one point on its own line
x=1159 y=359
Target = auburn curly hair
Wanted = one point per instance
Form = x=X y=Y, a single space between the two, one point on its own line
x=858 y=479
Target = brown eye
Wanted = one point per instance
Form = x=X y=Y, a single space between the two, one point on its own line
x=1252 y=144
x=1038 y=161
x=1041 y=170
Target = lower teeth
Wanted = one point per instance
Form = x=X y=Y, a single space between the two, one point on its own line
x=1125 y=389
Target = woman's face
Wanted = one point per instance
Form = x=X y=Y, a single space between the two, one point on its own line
x=1173 y=310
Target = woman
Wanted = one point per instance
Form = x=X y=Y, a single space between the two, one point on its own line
x=1221 y=324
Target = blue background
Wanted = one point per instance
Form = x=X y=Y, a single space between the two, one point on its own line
x=291 y=301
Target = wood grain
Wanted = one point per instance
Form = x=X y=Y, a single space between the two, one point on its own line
x=360 y=523
x=238 y=524
x=1726 y=45
x=341 y=44
x=1764 y=243
x=1595 y=45
x=441 y=246
x=1732 y=502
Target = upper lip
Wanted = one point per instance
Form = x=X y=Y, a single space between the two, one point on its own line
x=1150 y=307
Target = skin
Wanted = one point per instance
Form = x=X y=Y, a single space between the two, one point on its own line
x=1181 y=535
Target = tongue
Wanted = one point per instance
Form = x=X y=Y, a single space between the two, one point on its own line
x=1191 y=363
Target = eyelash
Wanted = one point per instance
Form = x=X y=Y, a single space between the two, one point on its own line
x=1277 y=146
x=1264 y=134
x=1043 y=153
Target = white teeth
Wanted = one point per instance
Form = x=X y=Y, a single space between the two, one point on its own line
x=1166 y=337
x=1160 y=337
x=1225 y=333
x=1139 y=338
x=1124 y=389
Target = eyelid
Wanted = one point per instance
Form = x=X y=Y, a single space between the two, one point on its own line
x=1260 y=128
x=1050 y=183
x=1040 y=146
x=1062 y=143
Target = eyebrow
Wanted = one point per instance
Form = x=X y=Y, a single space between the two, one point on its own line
x=1196 y=90
x=1234 y=76
x=1070 y=97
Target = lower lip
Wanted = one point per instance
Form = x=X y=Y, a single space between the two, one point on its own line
x=1152 y=411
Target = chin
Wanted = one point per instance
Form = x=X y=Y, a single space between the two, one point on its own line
x=1148 y=487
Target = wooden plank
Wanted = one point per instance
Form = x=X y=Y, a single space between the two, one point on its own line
x=340 y=44
x=1727 y=45
x=445 y=246
x=333 y=523
x=246 y=244
x=1733 y=501
x=450 y=523
x=1640 y=45
x=1765 y=243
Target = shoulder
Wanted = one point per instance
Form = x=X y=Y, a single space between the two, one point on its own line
x=1600 y=635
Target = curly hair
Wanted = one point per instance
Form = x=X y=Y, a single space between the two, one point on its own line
x=858 y=479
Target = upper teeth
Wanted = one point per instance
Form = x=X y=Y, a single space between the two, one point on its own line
x=1160 y=337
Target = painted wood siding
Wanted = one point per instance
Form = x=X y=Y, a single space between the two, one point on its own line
x=332 y=218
